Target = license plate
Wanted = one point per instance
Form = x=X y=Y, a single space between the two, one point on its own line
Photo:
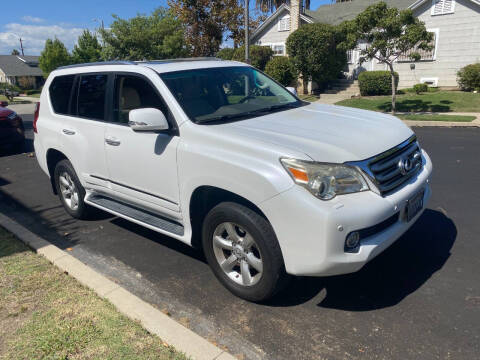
x=414 y=205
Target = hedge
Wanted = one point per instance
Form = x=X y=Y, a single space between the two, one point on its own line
x=226 y=53
x=376 y=83
x=281 y=69
x=468 y=77
x=259 y=55
x=420 y=88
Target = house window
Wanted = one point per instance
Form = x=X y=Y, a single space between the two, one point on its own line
x=425 y=55
x=442 y=7
x=350 y=56
x=284 y=24
x=278 y=49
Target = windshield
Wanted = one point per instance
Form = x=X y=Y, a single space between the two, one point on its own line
x=227 y=93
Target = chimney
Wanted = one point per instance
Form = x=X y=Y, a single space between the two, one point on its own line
x=295 y=9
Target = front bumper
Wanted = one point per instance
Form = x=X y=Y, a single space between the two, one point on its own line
x=312 y=232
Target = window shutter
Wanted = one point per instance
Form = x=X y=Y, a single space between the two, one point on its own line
x=441 y=7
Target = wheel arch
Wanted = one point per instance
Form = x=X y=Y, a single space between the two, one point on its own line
x=53 y=158
x=206 y=197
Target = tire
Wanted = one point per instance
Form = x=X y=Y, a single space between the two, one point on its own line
x=73 y=204
x=259 y=281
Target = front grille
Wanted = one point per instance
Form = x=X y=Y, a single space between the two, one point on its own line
x=390 y=169
x=395 y=166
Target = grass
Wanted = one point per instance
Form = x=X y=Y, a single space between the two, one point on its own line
x=435 y=117
x=441 y=101
x=309 y=98
x=45 y=314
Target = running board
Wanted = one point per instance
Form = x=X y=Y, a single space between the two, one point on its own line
x=131 y=212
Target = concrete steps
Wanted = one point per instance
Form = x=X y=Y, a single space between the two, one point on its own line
x=344 y=87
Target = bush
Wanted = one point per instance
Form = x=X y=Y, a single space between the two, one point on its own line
x=420 y=88
x=259 y=55
x=281 y=69
x=8 y=86
x=468 y=77
x=226 y=53
x=376 y=83
x=313 y=50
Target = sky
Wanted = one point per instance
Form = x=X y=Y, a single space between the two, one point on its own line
x=35 y=21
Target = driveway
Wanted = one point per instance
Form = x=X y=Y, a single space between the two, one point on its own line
x=420 y=299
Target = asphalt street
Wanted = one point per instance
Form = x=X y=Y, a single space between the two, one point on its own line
x=420 y=299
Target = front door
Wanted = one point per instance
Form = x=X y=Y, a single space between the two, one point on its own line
x=141 y=165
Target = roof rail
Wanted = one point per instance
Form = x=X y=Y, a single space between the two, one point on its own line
x=206 y=58
x=115 y=62
x=127 y=62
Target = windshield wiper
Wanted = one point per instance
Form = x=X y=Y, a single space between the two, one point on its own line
x=249 y=113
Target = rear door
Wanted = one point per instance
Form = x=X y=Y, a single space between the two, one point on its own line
x=142 y=165
x=84 y=130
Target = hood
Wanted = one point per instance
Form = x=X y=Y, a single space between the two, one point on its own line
x=327 y=133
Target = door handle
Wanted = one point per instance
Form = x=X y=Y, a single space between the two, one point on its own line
x=68 y=132
x=112 y=141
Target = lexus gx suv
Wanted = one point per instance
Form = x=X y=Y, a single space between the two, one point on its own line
x=221 y=157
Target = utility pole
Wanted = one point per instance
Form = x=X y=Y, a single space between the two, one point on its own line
x=21 y=46
x=247 y=40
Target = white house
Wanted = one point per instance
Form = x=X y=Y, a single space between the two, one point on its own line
x=455 y=23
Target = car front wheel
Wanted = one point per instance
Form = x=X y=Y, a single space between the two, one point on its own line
x=243 y=252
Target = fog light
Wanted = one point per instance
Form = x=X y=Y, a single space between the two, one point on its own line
x=352 y=242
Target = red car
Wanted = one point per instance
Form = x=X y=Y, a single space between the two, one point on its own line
x=12 y=132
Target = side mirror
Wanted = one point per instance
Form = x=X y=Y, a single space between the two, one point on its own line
x=147 y=119
x=3 y=103
x=292 y=90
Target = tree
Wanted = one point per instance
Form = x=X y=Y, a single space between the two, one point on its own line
x=206 y=22
x=15 y=52
x=54 y=54
x=388 y=33
x=157 y=36
x=314 y=51
x=87 y=49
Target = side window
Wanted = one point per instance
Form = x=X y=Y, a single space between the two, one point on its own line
x=91 y=96
x=59 y=91
x=133 y=92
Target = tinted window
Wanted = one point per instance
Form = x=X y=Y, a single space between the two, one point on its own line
x=91 y=96
x=133 y=92
x=60 y=93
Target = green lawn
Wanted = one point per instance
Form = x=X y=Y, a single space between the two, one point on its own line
x=428 y=117
x=309 y=98
x=45 y=314
x=441 y=101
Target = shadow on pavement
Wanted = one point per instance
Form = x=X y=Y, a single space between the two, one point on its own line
x=387 y=279
x=384 y=282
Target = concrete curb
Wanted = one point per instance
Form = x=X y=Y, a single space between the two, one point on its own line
x=152 y=319
x=474 y=123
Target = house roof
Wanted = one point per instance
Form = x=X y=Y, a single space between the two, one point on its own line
x=338 y=12
x=13 y=65
x=305 y=17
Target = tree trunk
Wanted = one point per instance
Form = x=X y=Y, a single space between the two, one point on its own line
x=394 y=90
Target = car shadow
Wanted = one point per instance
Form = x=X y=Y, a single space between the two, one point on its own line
x=389 y=278
x=9 y=150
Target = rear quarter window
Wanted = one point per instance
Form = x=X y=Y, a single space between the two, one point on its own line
x=60 y=90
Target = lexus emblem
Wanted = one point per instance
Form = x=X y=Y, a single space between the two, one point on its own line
x=408 y=163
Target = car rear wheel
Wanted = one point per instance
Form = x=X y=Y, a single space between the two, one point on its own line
x=243 y=252
x=71 y=191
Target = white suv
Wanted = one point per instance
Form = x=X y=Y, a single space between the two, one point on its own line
x=219 y=156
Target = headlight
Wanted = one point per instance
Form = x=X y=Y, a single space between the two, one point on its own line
x=325 y=181
x=12 y=115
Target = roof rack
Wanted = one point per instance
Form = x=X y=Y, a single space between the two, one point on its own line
x=115 y=62
x=164 y=61
x=127 y=62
